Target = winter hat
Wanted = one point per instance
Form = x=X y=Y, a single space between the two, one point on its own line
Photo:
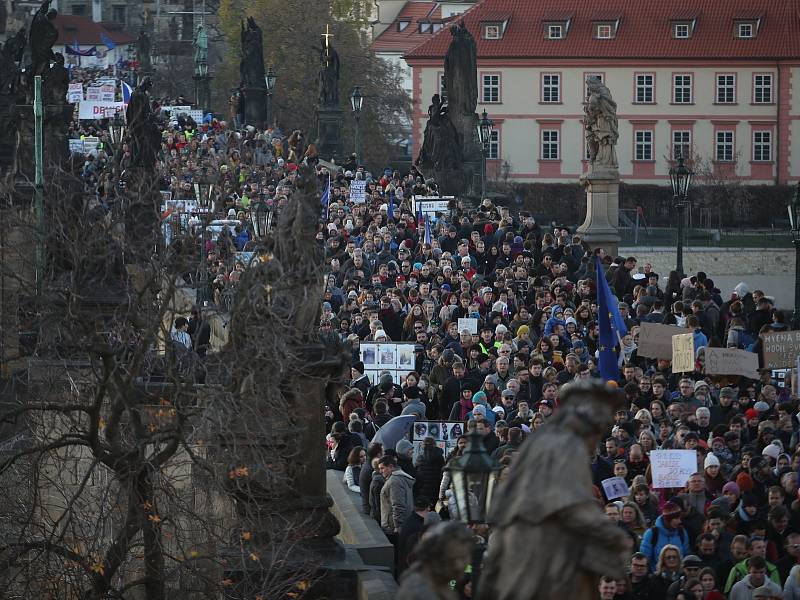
x=670 y=508
x=358 y=366
x=732 y=487
x=751 y=413
x=479 y=398
x=411 y=392
x=499 y=410
x=745 y=482
x=479 y=409
x=719 y=508
x=571 y=320
x=380 y=333
x=402 y=447
x=500 y=329
x=749 y=499
x=772 y=451
x=761 y=406
x=523 y=329
x=711 y=461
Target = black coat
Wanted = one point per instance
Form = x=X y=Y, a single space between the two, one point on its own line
x=429 y=474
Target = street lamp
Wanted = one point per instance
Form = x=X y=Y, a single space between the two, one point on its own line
x=203 y=191
x=474 y=477
x=261 y=218
x=357 y=103
x=485 y=128
x=269 y=79
x=116 y=129
x=680 y=177
x=794 y=228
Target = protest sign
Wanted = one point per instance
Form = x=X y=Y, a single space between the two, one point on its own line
x=94 y=109
x=469 y=324
x=780 y=349
x=444 y=433
x=395 y=357
x=108 y=92
x=93 y=92
x=672 y=468
x=430 y=205
x=615 y=487
x=90 y=145
x=730 y=361
x=358 y=191
x=76 y=146
x=655 y=340
x=683 y=353
x=75 y=92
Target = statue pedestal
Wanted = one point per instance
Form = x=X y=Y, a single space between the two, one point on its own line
x=601 y=227
x=202 y=92
x=255 y=106
x=329 y=133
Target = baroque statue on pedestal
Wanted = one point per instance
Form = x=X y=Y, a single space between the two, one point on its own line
x=602 y=128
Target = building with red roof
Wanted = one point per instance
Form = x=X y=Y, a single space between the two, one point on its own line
x=80 y=32
x=710 y=80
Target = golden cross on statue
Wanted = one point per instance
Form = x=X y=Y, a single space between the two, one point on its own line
x=327 y=35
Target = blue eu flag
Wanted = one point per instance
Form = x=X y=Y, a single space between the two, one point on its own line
x=611 y=324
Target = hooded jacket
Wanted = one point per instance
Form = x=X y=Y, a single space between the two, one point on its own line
x=652 y=548
x=397 y=500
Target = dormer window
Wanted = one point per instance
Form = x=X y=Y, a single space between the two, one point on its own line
x=604 y=31
x=401 y=25
x=745 y=30
x=555 y=32
x=492 y=31
x=681 y=31
x=436 y=27
x=426 y=27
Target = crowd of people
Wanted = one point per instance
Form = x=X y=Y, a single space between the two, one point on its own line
x=732 y=532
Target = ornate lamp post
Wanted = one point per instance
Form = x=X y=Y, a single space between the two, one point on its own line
x=357 y=103
x=680 y=177
x=261 y=219
x=270 y=78
x=116 y=129
x=204 y=192
x=474 y=475
x=485 y=128
x=794 y=228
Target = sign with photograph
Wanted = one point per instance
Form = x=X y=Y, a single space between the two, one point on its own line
x=730 y=361
x=655 y=340
x=615 y=487
x=780 y=349
x=444 y=433
x=430 y=205
x=358 y=190
x=683 y=353
x=395 y=357
x=672 y=468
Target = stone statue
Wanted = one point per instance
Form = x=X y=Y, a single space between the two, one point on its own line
x=143 y=47
x=602 y=129
x=461 y=71
x=440 y=148
x=10 y=55
x=142 y=128
x=201 y=48
x=546 y=504
x=56 y=83
x=329 y=76
x=251 y=67
x=442 y=555
x=42 y=37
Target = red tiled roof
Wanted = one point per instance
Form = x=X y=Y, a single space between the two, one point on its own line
x=644 y=30
x=87 y=32
x=392 y=40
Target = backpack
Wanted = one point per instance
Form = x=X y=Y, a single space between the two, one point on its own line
x=656 y=533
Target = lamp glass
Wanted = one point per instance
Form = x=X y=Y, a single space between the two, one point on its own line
x=270 y=79
x=356 y=100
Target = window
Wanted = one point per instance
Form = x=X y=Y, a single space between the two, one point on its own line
x=442 y=86
x=119 y=13
x=682 y=89
x=681 y=144
x=401 y=25
x=644 y=145
x=550 y=144
x=551 y=87
x=726 y=88
x=604 y=31
x=425 y=28
x=436 y=27
x=79 y=9
x=490 y=90
x=724 y=146
x=762 y=146
x=555 y=32
x=492 y=32
x=762 y=88
x=681 y=31
x=494 y=146
x=744 y=30
x=645 y=86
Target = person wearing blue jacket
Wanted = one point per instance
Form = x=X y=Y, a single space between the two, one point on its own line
x=667 y=530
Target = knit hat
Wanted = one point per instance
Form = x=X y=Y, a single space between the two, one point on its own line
x=732 y=487
x=727 y=392
x=358 y=366
x=402 y=447
x=711 y=461
x=670 y=508
x=523 y=329
x=761 y=406
x=745 y=482
x=700 y=384
x=499 y=410
x=751 y=413
x=480 y=409
x=772 y=451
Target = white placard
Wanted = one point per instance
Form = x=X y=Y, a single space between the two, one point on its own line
x=108 y=93
x=75 y=92
x=93 y=92
x=468 y=323
x=76 y=146
x=672 y=468
x=358 y=190
x=615 y=487
x=94 y=109
x=430 y=205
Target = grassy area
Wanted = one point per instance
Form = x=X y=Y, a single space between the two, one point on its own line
x=712 y=238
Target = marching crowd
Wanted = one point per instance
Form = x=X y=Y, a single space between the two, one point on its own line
x=733 y=531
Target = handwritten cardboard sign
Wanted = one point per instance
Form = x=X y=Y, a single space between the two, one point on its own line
x=730 y=361
x=672 y=468
x=655 y=340
x=615 y=487
x=780 y=349
x=469 y=324
x=683 y=353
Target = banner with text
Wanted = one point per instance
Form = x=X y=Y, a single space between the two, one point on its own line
x=780 y=349
x=90 y=110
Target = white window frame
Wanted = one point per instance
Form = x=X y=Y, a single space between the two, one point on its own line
x=762 y=145
x=550 y=140
x=493 y=151
x=683 y=87
x=402 y=25
x=492 y=27
x=551 y=89
x=426 y=27
x=643 y=86
x=763 y=88
x=724 y=145
x=725 y=92
x=604 y=31
x=555 y=27
x=643 y=143
x=489 y=87
x=678 y=28
x=741 y=28
x=684 y=143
